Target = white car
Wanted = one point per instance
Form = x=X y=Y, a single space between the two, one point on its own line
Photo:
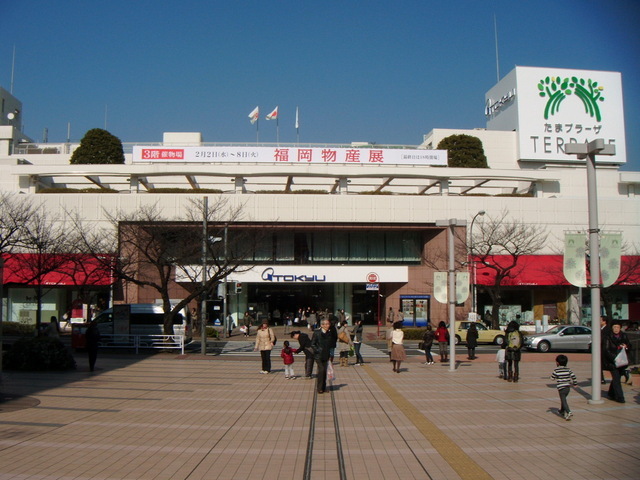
x=560 y=337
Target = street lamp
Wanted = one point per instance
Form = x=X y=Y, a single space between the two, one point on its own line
x=474 y=299
x=451 y=288
x=588 y=151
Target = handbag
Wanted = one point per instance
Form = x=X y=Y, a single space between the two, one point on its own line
x=331 y=376
x=421 y=346
x=344 y=337
x=621 y=359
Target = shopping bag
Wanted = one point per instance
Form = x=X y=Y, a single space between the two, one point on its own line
x=621 y=359
x=331 y=376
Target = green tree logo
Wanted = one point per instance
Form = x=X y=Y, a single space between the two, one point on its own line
x=556 y=89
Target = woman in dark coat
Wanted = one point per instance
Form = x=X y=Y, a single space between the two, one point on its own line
x=92 y=339
x=427 y=342
x=472 y=341
x=613 y=341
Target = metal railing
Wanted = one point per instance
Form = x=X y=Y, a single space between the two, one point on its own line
x=162 y=342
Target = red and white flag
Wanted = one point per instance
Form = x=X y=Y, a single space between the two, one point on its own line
x=273 y=114
x=253 y=116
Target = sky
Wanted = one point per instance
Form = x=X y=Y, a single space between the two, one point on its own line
x=359 y=71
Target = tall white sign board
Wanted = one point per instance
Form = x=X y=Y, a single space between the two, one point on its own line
x=549 y=107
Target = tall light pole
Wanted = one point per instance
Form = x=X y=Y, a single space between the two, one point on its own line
x=474 y=299
x=588 y=151
x=224 y=289
x=203 y=304
x=451 y=288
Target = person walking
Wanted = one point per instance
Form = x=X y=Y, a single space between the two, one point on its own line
x=333 y=330
x=442 y=337
x=92 y=339
x=358 y=331
x=391 y=319
x=513 y=352
x=472 y=341
x=565 y=379
x=53 y=329
x=321 y=345
x=344 y=343
x=427 y=343
x=304 y=346
x=398 y=353
x=265 y=341
x=615 y=343
x=247 y=324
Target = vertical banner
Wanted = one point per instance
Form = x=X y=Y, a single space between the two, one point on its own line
x=574 y=265
x=440 y=286
x=610 y=251
x=462 y=287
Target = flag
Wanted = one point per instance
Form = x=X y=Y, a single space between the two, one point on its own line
x=297 y=122
x=253 y=116
x=440 y=280
x=273 y=114
x=610 y=251
x=574 y=266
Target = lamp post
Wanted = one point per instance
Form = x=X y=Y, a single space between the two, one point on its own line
x=224 y=289
x=474 y=299
x=203 y=304
x=451 y=288
x=588 y=151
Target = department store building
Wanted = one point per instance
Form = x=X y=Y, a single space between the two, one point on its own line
x=352 y=225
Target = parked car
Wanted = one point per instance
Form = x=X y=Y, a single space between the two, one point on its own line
x=560 y=337
x=485 y=335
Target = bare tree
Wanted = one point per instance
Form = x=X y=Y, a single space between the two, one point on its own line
x=39 y=252
x=509 y=239
x=151 y=251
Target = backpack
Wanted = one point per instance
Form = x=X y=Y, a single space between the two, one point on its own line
x=514 y=340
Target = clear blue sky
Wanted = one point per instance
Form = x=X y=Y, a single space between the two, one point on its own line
x=381 y=71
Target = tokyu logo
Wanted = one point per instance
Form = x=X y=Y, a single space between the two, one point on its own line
x=556 y=89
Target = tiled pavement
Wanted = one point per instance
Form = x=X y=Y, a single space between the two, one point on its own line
x=167 y=416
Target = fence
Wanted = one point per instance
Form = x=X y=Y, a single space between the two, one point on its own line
x=163 y=342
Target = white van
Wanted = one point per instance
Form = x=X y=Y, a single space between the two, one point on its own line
x=145 y=319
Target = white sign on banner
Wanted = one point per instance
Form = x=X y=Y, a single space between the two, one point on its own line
x=289 y=155
x=610 y=252
x=440 y=286
x=574 y=265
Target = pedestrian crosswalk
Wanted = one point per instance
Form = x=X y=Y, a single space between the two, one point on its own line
x=243 y=348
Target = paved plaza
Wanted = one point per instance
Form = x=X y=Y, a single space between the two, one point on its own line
x=171 y=416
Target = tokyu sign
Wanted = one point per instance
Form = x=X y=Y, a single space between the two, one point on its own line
x=550 y=107
x=289 y=155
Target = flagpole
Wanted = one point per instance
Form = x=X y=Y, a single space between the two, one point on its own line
x=278 y=129
x=257 y=130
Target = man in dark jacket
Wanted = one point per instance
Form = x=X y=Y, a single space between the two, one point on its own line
x=305 y=347
x=321 y=344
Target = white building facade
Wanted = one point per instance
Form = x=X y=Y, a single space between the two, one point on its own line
x=352 y=218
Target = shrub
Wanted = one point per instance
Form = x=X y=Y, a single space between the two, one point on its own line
x=212 y=332
x=18 y=329
x=40 y=353
x=414 y=333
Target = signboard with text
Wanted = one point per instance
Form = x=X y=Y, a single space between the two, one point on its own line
x=550 y=107
x=289 y=155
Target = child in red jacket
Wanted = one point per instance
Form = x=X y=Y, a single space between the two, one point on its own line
x=287 y=357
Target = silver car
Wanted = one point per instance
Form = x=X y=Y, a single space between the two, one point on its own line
x=560 y=337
